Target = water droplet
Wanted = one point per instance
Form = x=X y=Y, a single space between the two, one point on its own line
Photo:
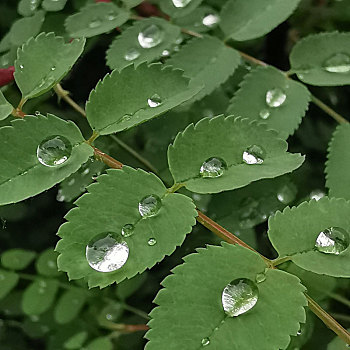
x=149 y=205
x=211 y=20
x=264 y=114
x=205 y=341
x=165 y=53
x=71 y=182
x=128 y=230
x=332 y=240
x=213 y=167
x=37 y=113
x=154 y=101
x=111 y=16
x=106 y=252
x=152 y=242
x=86 y=171
x=260 y=277
x=53 y=68
x=151 y=36
x=254 y=155
x=181 y=3
x=54 y=150
x=95 y=23
x=239 y=296
x=275 y=97
x=339 y=63
x=299 y=332
x=317 y=194
x=287 y=193
x=21 y=66
x=131 y=54
x=125 y=118
x=60 y=196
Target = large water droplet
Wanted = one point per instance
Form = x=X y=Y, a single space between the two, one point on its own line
x=151 y=36
x=131 y=54
x=154 y=101
x=264 y=114
x=275 y=97
x=152 y=242
x=181 y=3
x=239 y=296
x=54 y=150
x=254 y=155
x=332 y=240
x=128 y=230
x=211 y=20
x=213 y=167
x=287 y=193
x=205 y=341
x=339 y=63
x=95 y=23
x=149 y=205
x=106 y=252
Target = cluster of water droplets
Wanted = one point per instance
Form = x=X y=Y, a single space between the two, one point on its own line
x=54 y=150
x=274 y=98
x=333 y=240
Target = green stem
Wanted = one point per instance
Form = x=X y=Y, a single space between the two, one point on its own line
x=280 y=261
x=336 y=116
x=175 y=188
x=136 y=311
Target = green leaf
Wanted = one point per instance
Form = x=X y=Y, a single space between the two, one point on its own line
x=17 y=259
x=120 y=100
x=293 y=233
x=25 y=28
x=54 y=5
x=95 y=19
x=130 y=286
x=338 y=164
x=190 y=307
x=169 y=227
x=178 y=8
x=251 y=100
x=27 y=7
x=131 y=3
x=5 y=107
x=76 y=341
x=126 y=46
x=46 y=264
x=39 y=296
x=337 y=344
x=322 y=59
x=69 y=305
x=8 y=281
x=42 y=62
x=22 y=174
x=227 y=138
x=100 y=343
x=207 y=61
x=249 y=19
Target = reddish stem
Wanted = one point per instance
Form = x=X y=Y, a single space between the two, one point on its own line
x=147 y=9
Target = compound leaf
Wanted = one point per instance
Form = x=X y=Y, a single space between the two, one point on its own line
x=207 y=61
x=126 y=49
x=338 y=164
x=114 y=200
x=17 y=259
x=192 y=296
x=134 y=95
x=23 y=175
x=322 y=59
x=46 y=264
x=294 y=232
x=227 y=138
x=8 y=281
x=54 y=5
x=178 y=8
x=5 y=107
x=42 y=62
x=251 y=100
x=249 y=19
x=95 y=19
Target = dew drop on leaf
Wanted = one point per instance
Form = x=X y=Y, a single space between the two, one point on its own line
x=181 y=3
x=54 y=151
x=213 y=167
x=131 y=54
x=317 y=194
x=107 y=252
x=210 y=20
x=53 y=68
x=154 y=101
x=332 y=240
x=111 y=16
x=254 y=155
x=149 y=205
x=95 y=23
x=286 y=194
x=275 y=98
x=152 y=242
x=128 y=230
x=150 y=36
x=339 y=63
x=165 y=53
x=239 y=296
x=205 y=341
x=264 y=114
x=260 y=277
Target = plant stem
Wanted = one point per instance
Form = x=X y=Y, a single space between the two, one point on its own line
x=127 y=328
x=280 y=261
x=105 y=158
x=64 y=95
x=336 y=116
x=136 y=311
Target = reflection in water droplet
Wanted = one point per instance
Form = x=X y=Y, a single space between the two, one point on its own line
x=150 y=37
x=54 y=150
x=332 y=240
x=275 y=97
x=149 y=205
x=154 y=101
x=128 y=230
x=287 y=193
x=260 y=277
x=106 y=252
x=152 y=241
x=254 y=155
x=181 y=3
x=205 y=341
x=95 y=23
x=131 y=54
x=339 y=63
x=264 y=114
x=211 y=20
x=239 y=296
x=213 y=167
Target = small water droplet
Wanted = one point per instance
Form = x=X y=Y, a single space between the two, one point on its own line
x=213 y=167
x=128 y=230
x=131 y=54
x=71 y=182
x=264 y=114
x=149 y=205
x=339 y=63
x=37 y=113
x=260 y=277
x=53 y=68
x=125 y=118
x=60 y=196
x=86 y=171
x=254 y=155
x=239 y=296
x=54 y=151
x=317 y=194
x=21 y=66
x=106 y=252
x=95 y=23
x=332 y=240
x=181 y=3
x=205 y=341
x=299 y=332
x=211 y=20
x=287 y=193
x=150 y=36
x=275 y=98
x=152 y=242
x=165 y=53
x=111 y=16
x=154 y=101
